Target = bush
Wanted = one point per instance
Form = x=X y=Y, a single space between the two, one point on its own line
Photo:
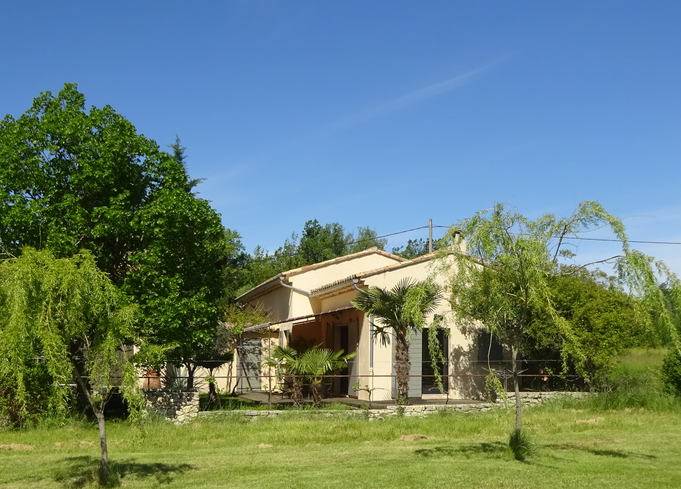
x=671 y=372
x=38 y=387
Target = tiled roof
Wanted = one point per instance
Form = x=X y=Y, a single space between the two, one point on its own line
x=359 y=276
x=274 y=281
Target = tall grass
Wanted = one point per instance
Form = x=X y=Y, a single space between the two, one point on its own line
x=633 y=382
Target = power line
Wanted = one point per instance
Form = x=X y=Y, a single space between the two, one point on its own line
x=629 y=241
x=611 y=240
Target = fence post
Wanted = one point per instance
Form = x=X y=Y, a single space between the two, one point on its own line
x=269 y=390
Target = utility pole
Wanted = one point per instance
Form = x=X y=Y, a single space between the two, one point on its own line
x=430 y=235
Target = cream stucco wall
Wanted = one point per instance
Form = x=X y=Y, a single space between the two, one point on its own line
x=466 y=373
x=277 y=301
x=317 y=277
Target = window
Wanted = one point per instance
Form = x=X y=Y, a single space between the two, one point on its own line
x=496 y=353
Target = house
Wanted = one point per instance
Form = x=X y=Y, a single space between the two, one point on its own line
x=312 y=305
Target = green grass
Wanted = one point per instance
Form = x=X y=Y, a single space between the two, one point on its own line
x=634 y=382
x=573 y=447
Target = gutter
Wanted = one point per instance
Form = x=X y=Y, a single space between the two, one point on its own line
x=300 y=291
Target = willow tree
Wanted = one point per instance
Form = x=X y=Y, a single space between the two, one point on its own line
x=67 y=315
x=401 y=310
x=501 y=280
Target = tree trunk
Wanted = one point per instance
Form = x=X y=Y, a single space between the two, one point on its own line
x=190 y=376
x=213 y=397
x=213 y=394
x=296 y=390
x=516 y=387
x=402 y=366
x=104 y=461
x=316 y=389
x=98 y=409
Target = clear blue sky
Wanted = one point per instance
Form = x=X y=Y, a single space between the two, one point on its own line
x=382 y=113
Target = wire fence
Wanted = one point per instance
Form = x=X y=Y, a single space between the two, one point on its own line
x=262 y=382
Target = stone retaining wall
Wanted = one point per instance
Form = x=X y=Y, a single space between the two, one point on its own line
x=173 y=404
x=414 y=410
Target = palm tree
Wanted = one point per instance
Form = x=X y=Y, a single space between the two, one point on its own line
x=401 y=310
x=286 y=359
x=312 y=366
x=318 y=362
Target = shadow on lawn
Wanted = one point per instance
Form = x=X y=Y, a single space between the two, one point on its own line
x=601 y=453
x=77 y=472
x=474 y=448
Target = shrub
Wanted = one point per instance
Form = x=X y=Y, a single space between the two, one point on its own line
x=37 y=384
x=671 y=372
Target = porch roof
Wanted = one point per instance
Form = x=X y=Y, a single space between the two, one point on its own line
x=262 y=326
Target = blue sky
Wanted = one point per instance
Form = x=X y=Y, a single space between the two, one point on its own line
x=382 y=113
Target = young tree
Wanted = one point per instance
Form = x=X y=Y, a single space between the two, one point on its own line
x=67 y=315
x=401 y=310
x=502 y=280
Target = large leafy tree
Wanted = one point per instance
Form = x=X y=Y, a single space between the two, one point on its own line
x=365 y=238
x=319 y=243
x=66 y=315
x=604 y=319
x=401 y=311
x=503 y=278
x=176 y=277
x=73 y=179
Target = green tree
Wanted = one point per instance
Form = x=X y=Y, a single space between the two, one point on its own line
x=66 y=315
x=319 y=243
x=366 y=238
x=671 y=368
x=176 y=278
x=234 y=265
x=603 y=318
x=415 y=248
x=502 y=280
x=180 y=157
x=401 y=310
x=73 y=179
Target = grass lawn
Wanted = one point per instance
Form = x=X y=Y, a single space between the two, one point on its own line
x=574 y=448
